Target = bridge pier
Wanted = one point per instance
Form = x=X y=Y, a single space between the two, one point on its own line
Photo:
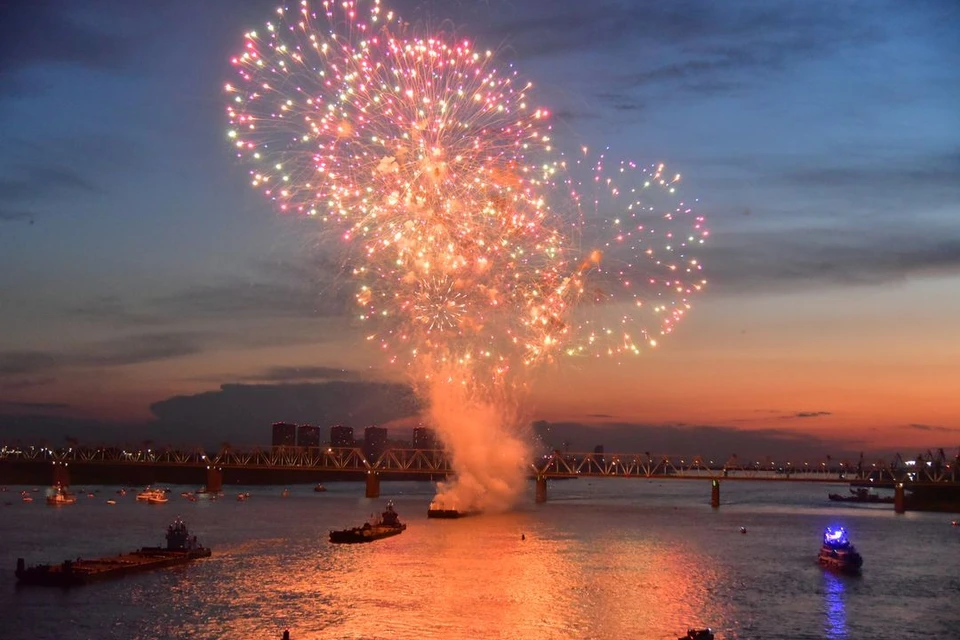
x=715 y=494
x=61 y=474
x=899 y=499
x=541 y=495
x=214 y=479
x=373 y=484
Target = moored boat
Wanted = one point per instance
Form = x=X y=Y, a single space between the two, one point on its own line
x=388 y=524
x=152 y=496
x=861 y=494
x=60 y=497
x=838 y=553
x=181 y=547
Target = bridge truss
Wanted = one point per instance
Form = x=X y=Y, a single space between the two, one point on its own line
x=925 y=468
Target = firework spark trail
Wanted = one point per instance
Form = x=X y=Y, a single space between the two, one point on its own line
x=432 y=166
x=641 y=271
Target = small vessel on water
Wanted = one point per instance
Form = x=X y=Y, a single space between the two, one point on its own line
x=152 y=496
x=181 y=548
x=439 y=509
x=697 y=634
x=319 y=488
x=388 y=524
x=861 y=494
x=60 y=497
x=838 y=553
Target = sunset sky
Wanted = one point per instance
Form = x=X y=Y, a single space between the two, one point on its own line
x=139 y=272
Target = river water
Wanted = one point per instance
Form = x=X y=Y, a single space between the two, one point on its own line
x=603 y=558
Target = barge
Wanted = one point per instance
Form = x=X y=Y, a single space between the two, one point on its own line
x=438 y=509
x=181 y=548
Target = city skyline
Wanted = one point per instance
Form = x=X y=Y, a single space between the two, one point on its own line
x=145 y=283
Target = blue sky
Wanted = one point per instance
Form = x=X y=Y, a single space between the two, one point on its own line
x=822 y=138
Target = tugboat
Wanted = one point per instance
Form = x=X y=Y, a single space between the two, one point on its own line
x=181 y=548
x=60 y=497
x=697 y=634
x=838 y=553
x=388 y=524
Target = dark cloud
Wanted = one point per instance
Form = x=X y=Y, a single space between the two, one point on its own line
x=242 y=414
x=38 y=406
x=42 y=174
x=137 y=349
x=814 y=257
x=40 y=183
x=32 y=428
x=808 y=414
x=114 y=311
x=44 y=180
x=599 y=415
x=666 y=50
x=16 y=384
x=927 y=427
x=300 y=374
x=262 y=299
x=17 y=363
x=42 y=32
x=718 y=442
x=122 y=351
x=9 y=215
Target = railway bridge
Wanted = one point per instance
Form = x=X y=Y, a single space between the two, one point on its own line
x=923 y=472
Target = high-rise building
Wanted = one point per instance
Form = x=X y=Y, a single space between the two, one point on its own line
x=598 y=457
x=341 y=436
x=374 y=442
x=424 y=438
x=284 y=434
x=308 y=436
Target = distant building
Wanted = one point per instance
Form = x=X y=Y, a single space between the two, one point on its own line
x=374 y=442
x=308 y=436
x=424 y=438
x=598 y=456
x=341 y=436
x=284 y=434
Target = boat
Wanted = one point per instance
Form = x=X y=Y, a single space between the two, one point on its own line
x=181 y=548
x=697 y=634
x=388 y=524
x=60 y=497
x=152 y=496
x=438 y=509
x=319 y=488
x=861 y=494
x=838 y=553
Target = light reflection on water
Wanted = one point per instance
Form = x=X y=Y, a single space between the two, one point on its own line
x=600 y=560
x=834 y=606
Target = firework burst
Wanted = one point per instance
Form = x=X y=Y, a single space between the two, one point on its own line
x=477 y=251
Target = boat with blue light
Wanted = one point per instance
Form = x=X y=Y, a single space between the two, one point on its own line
x=838 y=553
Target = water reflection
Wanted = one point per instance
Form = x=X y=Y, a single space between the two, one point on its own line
x=834 y=606
x=496 y=576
